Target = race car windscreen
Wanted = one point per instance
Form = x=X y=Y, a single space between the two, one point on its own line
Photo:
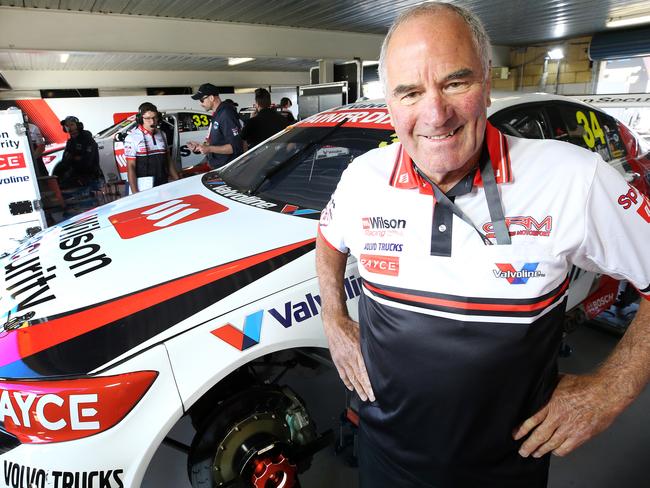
x=303 y=165
x=110 y=131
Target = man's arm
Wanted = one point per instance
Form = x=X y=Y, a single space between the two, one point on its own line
x=341 y=331
x=205 y=148
x=583 y=406
x=132 y=175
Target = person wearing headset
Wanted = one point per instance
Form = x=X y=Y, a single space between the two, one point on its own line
x=147 y=156
x=79 y=166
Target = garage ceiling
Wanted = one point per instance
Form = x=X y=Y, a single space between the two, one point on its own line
x=509 y=22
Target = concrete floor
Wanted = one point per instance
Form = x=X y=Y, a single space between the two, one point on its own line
x=616 y=458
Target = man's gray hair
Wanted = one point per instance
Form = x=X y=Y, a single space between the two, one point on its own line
x=479 y=35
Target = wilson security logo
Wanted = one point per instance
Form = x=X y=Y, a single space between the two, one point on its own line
x=242 y=340
x=144 y=220
x=514 y=277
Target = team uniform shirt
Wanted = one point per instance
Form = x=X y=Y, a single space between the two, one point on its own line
x=150 y=153
x=224 y=129
x=461 y=338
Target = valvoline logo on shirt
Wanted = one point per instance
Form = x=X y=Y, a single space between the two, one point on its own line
x=514 y=277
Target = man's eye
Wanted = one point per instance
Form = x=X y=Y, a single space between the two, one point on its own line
x=454 y=85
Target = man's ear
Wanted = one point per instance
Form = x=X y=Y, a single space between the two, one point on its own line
x=488 y=85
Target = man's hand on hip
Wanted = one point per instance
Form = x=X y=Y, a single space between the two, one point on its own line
x=580 y=408
x=344 y=344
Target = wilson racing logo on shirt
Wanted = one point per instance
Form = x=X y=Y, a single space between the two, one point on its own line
x=382 y=223
x=144 y=220
x=523 y=225
x=514 y=277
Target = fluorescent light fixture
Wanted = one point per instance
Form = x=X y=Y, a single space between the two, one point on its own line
x=370 y=63
x=64 y=57
x=623 y=21
x=236 y=61
x=556 y=53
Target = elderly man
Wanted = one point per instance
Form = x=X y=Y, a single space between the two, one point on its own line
x=460 y=322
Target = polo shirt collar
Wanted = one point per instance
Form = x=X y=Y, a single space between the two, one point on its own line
x=141 y=127
x=405 y=177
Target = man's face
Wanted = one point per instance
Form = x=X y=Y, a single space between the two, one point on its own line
x=149 y=120
x=437 y=94
x=72 y=128
x=208 y=102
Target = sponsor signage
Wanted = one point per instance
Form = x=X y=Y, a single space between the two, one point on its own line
x=368 y=118
x=20 y=476
x=287 y=315
x=602 y=298
x=517 y=277
x=381 y=226
x=523 y=225
x=385 y=265
x=83 y=255
x=12 y=161
x=159 y=216
x=633 y=197
x=38 y=412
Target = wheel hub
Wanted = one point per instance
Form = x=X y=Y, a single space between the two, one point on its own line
x=273 y=472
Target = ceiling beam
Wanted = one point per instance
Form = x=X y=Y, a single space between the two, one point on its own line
x=37 y=80
x=95 y=32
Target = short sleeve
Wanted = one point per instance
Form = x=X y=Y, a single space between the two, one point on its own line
x=335 y=217
x=617 y=230
x=229 y=127
x=130 y=146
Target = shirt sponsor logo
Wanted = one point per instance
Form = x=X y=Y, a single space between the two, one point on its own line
x=326 y=213
x=12 y=161
x=385 y=265
x=632 y=197
x=152 y=218
x=13 y=179
x=381 y=226
x=383 y=246
x=523 y=225
x=382 y=223
x=514 y=277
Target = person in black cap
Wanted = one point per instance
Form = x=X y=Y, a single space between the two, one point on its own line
x=266 y=121
x=224 y=142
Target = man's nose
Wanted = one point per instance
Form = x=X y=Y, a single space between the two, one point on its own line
x=436 y=109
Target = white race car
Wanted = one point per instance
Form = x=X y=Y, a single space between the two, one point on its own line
x=181 y=301
x=180 y=126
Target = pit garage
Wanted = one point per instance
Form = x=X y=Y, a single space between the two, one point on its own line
x=174 y=337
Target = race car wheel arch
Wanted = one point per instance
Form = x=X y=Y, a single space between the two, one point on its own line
x=249 y=437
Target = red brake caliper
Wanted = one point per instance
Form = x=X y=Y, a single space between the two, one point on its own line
x=273 y=472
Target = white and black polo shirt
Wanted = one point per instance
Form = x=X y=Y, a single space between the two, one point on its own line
x=461 y=338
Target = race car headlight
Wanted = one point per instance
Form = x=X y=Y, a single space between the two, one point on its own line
x=39 y=412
